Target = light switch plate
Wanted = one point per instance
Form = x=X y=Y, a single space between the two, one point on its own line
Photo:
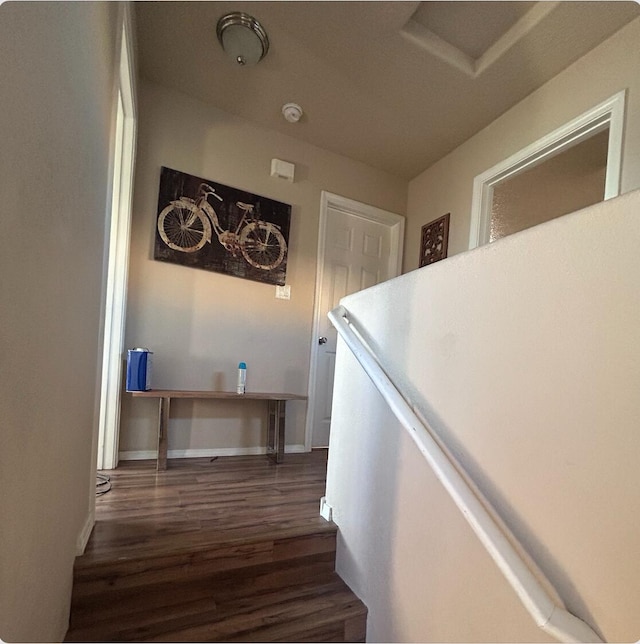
x=283 y=292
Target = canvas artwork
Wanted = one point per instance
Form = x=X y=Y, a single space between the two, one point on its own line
x=434 y=240
x=207 y=225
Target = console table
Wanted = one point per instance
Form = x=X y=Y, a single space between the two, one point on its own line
x=276 y=404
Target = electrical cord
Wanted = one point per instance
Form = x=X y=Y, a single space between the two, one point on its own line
x=103 y=484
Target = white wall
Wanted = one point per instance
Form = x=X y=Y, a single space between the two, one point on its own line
x=447 y=185
x=56 y=71
x=523 y=355
x=201 y=324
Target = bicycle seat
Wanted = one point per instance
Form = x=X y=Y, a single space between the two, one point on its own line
x=244 y=206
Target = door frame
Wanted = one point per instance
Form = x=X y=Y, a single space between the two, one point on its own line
x=123 y=165
x=609 y=113
x=395 y=223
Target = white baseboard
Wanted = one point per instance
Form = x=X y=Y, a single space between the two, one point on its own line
x=143 y=455
x=85 y=533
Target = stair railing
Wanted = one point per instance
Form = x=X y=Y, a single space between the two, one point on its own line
x=548 y=616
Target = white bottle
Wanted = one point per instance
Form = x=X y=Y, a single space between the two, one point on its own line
x=242 y=377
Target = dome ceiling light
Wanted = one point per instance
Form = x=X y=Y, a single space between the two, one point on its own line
x=243 y=38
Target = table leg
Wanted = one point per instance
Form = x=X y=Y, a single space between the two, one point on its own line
x=163 y=427
x=271 y=429
x=275 y=430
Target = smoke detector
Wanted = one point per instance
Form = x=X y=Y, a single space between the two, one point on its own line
x=292 y=112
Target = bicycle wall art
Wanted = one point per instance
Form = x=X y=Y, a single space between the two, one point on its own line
x=207 y=225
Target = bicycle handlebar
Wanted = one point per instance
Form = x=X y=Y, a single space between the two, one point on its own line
x=205 y=189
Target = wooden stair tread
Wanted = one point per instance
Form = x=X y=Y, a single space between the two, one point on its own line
x=215 y=615
x=95 y=578
x=228 y=551
x=147 y=547
x=212 y=614
x=234 y=583
x=283 y=621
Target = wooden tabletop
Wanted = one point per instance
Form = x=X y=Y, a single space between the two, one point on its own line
x=229 y=395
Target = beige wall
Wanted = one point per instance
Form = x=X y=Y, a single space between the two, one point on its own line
x=201 y=324
x=523 y=356
x=447 y=185
x=56 y=62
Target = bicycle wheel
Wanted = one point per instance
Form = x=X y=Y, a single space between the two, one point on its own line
x=263 y=245
x=184 y=227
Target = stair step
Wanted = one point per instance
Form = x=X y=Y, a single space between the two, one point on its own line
x=273 y=615
x=261 y=588
x=121 y=603
x=94 y=577
x=263 y=608
x=228 y=552
x=303 y=617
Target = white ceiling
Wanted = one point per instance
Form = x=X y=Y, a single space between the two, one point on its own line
x=396 y=85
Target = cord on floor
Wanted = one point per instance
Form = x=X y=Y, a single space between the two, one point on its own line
x=103 y=484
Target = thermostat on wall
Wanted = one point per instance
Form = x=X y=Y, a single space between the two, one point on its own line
x=282 y=169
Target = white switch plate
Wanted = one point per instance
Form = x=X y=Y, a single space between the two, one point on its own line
x=283 y=292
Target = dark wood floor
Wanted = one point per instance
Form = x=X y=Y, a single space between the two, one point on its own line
x=226 y=549
x=202 y=501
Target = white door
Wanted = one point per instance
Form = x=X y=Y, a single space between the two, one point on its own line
x=359 y=247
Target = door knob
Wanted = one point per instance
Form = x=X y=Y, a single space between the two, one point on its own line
x=322 y=340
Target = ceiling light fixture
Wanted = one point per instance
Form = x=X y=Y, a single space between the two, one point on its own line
x=243 y=38
x=292 y=112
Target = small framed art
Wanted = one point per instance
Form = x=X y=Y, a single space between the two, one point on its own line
x=434 y=240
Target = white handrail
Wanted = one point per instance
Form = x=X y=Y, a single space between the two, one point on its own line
x=550 y=618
